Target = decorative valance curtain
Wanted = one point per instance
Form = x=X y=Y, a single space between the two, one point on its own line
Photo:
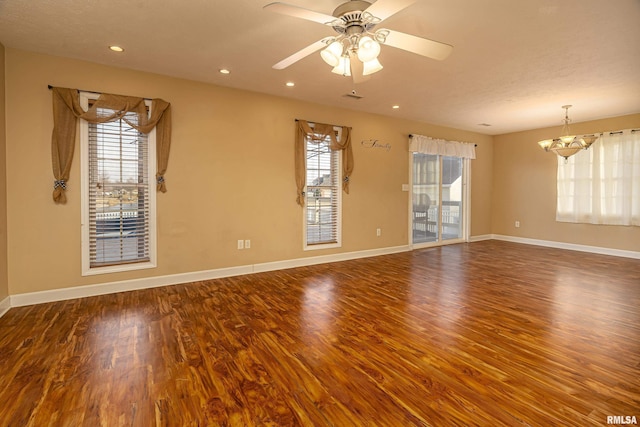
x=427 y=145
x=67 y=110
x=318 y=134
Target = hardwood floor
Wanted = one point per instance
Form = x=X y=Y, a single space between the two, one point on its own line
x=488 y=333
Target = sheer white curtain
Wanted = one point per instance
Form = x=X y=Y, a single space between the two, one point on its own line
x=602 y=184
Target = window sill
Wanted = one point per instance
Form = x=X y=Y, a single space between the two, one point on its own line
x=322 y=246
x=118 y=268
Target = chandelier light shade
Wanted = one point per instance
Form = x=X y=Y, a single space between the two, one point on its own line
x=567 y=144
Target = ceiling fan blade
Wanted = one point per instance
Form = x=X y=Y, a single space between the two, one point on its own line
x=299 y=12
x=303 y=53
x=357 y=69
x=421 y=46
x=385 y=8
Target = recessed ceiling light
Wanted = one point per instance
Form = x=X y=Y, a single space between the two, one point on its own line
x=290 y=84
x=395 y=107
x=116 y=48
x=224 y=71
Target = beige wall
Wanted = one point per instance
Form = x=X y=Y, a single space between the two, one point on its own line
x=230 y=176
x=524 y=189
x=4 y=285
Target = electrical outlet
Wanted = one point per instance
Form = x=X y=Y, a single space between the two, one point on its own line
x=517 y=224
x=240 y=244
x=378 y=232
x=247 y=244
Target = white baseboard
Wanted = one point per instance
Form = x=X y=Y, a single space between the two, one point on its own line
x=569 y=246
x=323 y=259
x=30 y=298
x=5 y=305
x=480 y=238
x=174 y=279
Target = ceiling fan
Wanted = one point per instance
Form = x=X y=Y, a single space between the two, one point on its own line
x=355 y=48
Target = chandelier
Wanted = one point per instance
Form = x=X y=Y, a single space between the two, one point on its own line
x=356 y=46
x=567 y=145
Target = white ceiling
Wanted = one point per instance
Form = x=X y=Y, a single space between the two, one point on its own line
x=514 y=62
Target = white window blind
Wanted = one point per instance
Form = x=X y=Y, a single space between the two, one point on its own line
x=119 y=201
x=601 y=185
x=323 y=194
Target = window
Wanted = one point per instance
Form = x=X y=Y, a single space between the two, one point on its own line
x=601 y=185
x=323 y=195
x=118 y=199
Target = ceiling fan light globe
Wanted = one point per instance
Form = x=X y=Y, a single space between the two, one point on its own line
x=368 y=49
x=371 y=67
x=331 y=55
x=343 y=68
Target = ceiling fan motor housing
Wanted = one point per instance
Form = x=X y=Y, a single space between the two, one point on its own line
x=351 y=16
x=351 y=6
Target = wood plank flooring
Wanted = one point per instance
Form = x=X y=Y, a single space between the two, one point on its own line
x=488 y=334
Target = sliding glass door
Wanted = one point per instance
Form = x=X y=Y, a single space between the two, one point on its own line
x=438 y=199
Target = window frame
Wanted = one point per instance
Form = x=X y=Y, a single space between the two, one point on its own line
x=87 y=269
x=338 y=191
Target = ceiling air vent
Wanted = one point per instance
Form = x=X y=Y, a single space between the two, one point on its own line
x=353 y=95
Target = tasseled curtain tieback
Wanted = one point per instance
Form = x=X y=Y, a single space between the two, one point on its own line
x=60 y=183
x=346 y=179
x=160 y=179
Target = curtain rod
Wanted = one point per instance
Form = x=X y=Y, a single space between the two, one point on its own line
x=411 y=136
x=93 y=91
x=616 y=132
x=311 y=121
x=613 y=132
